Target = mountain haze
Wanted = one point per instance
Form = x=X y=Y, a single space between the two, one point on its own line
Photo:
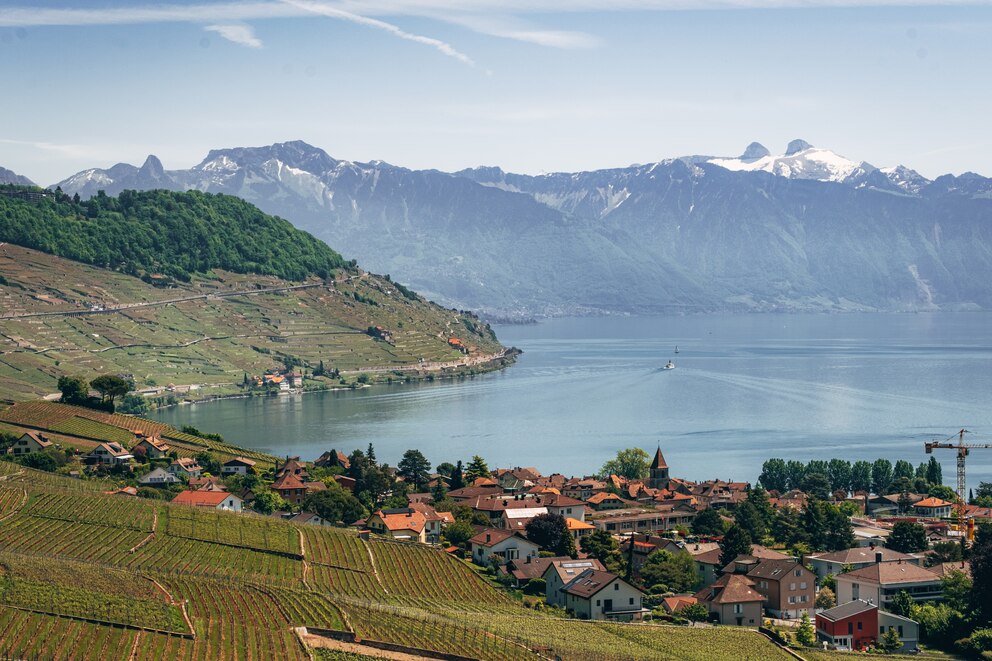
x=805 y=230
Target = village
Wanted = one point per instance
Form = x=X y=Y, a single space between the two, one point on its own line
x=842 y=568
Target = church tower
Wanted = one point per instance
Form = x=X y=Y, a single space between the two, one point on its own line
x=659 y=472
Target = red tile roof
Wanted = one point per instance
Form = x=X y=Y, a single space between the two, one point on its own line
x=888 y=573
x=202 y=498
x=730 y=589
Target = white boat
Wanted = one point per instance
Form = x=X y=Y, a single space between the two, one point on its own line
x=669 y=366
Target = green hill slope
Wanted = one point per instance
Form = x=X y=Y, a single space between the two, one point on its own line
x=200 y=290
x=163 y=232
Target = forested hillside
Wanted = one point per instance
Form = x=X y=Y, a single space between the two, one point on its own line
x=163 y=232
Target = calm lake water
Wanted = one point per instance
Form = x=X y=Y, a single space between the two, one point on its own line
x=745 y=388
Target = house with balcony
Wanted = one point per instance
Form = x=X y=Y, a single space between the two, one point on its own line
x=879 y=583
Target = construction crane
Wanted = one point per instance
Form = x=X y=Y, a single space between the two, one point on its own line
x=963 y=450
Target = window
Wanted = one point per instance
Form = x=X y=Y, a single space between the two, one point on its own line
x=802 y=586
x=616 y=586
x=597 y=602
x=799 y=572
x=900 y=631
x=803 y=599
x=850 y=628
x=792 y=599
x=859 y=626
x=792 y=586
x=738 y=608
x=631 y=601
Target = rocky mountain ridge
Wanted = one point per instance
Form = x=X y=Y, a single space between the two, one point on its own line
x=805 y=230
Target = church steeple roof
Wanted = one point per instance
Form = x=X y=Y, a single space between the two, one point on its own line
x=659 y=460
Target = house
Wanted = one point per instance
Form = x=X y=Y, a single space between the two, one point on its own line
x=602 y=595
x=733 y=599
x=218 y=500
x=185 y=466
x=309 y=519
x=849 y=626
x=836 y=562
x=293 y=489
x=888 y=504
x=29 y=442
x=295 y=467
x=207 y=484
x=858 y=625
x=154 y=448
x=518 y=518
x=158 y=478
x=405 y=524
x=435 y=521
x=583 y=489
x=506 y=544
x=331 y=459
x=604 y=500
x=933 y=508
x=346 y=482
x=109 y=453
x=644 y=519
x=579 y=529
x=879 y=583
x=558 y=574
x=788 y=587
x=529 y=568
x=238 y=466
x=708 y=562
x=123 y=491
x=673 y=605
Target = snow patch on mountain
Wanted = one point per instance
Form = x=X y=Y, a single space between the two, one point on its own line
x=801 y=161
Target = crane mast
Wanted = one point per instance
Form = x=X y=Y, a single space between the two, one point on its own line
x=963 y=449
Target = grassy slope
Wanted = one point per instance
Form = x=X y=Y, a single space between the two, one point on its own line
x=324 y=323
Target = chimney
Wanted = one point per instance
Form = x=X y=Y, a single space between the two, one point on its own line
x=488 y=537
x=871 y=545
x=878 y=556
x=528 y=560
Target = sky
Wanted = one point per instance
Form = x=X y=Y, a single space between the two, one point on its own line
x=529 y=85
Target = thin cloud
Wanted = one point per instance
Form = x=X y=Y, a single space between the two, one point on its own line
x=333 y=12
x=238 y=33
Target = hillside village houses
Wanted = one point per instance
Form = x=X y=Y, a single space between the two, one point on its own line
x=30 y=442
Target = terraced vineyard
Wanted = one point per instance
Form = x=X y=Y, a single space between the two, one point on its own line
x=90 y=426
x=86 y=575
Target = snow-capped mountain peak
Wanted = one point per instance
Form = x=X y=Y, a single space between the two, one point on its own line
x=800 y=161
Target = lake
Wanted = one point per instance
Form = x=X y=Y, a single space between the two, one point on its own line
x=745 y=388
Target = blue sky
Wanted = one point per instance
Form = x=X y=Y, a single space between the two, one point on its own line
x=531 y=86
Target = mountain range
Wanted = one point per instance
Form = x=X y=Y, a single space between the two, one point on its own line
x=804 y=230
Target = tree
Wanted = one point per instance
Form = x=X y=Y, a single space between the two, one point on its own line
x=890 y=642
x=947 y=551
x=825 y=598
x=774 y=475
x=334 y=504
x=675 y=571
x=457 y=481
x=956 y=589
x=476 y=468
x=983 y=495
x=695 y=612
x=458 y=533
x=133 y=403
x=881 y=475
x=111 y=386
x=267 y=501
x=632 y=463
x=759 y=498
x=736 y=542
x=907 y=537
x=787 y=526
x=861 y=476
x=981 y=574
x=603 y=546
x=901 y=604
x=838 y=532
x=806 y=633
x=934 y=474
x=707 y=523
x=415 y=468
x=549 y=531
x=943 y=492
x=839 y=473
x=816 y=485
x=796 y=471
x=370 y=453
x=748 y=517
x=445 y=468
x=74 y=389
x=903 y=469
